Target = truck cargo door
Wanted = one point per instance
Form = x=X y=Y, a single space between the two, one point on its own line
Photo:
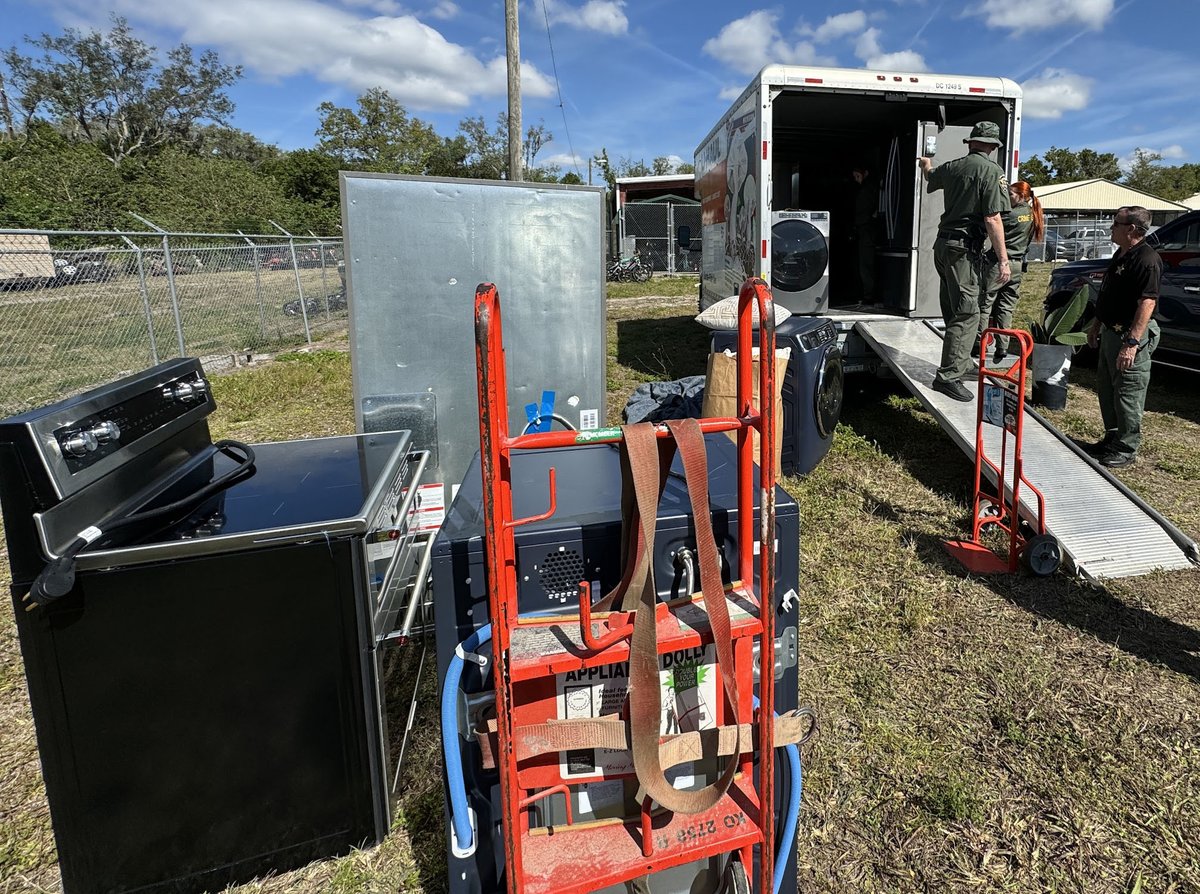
x=927 y=211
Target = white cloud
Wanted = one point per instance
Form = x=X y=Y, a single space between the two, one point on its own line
x=605 y=16
x=563 y=160
x=445 y=10
x=414 y=62
x=867 y=49
x=746 y=43
x=1033 y=15
x=729 y=94
x=383 y=7
x=840 y=25
x=1165 y=154
x=1056 y=91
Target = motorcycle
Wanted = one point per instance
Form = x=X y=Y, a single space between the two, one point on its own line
x=631 y=269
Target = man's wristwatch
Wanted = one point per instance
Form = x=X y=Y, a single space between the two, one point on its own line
x=1130 y=342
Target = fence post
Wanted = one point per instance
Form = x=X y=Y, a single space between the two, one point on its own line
x=296 y=270
x=324 y=282
x=166 y=243
x=262 y=313
x=672 y=245
x=137 y=251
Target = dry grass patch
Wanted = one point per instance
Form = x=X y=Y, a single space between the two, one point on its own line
x=1005 y=734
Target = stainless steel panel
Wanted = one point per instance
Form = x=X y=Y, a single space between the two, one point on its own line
x=417 y=247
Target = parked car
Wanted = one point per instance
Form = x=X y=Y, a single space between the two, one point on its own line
x=1085 y=242
x=179 y=264
x=81 y=267
x=1178 y=311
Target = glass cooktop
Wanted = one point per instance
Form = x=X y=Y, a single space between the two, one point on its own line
x=295 y=484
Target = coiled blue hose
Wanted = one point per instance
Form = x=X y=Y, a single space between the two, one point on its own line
x=791 y=819
x=459 y=812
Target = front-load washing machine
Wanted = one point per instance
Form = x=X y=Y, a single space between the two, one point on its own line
x=812 y=390
x=800 y=260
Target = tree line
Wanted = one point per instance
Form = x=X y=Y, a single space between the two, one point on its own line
x=1172 y=182
x=95 y=125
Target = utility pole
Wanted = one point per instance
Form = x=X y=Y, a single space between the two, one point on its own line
x=513 y=43
x=5 y=114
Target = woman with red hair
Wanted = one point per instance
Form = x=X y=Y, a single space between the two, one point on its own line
x=1025 y=223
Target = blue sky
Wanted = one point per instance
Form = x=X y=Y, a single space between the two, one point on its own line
x=647 y=78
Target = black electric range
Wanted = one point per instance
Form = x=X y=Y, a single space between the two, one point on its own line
x=207 y=692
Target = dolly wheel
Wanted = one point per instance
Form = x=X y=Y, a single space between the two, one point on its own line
x=735 y=881
x=1042 y=555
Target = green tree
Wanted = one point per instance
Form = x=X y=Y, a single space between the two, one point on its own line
x=602 y=161
x=487 y=150
x=1066 y=166
x=111 y=90
x=629 y=168
x=685 y=168
x=181 y=191
x=306 y=176
x=218 y=141
x=1143 y=173
x=572 y=178
x=48 y=182
x=1177 y=181
x=1035 y=171
x=378 y=136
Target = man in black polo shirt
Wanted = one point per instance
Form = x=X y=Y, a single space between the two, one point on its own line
x=1126 y=334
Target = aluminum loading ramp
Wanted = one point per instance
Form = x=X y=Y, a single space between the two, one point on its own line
x=1105 y=531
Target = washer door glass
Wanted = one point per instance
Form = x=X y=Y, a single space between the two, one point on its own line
x=830 y=392
x=799 y=255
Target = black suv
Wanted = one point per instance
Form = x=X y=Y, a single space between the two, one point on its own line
x=1178 y=312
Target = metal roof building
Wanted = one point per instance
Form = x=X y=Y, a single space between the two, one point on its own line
x=1100 y=198
x=1191 y=201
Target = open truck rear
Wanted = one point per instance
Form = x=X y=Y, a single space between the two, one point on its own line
x=778 y=199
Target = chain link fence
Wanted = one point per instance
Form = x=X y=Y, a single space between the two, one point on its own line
x=78 y=309
x=652 y=229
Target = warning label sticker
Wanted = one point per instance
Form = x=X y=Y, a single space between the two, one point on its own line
x=688 y=690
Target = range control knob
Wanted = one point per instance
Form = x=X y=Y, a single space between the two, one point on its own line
x=106 y=432
x=185 y=391
x=79 y=444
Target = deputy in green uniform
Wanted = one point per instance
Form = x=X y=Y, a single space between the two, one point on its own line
x=1025 y=223
x=976 y=194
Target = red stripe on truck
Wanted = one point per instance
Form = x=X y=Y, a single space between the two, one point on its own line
x=764 y=150
x=764 y=248
x=978 y=90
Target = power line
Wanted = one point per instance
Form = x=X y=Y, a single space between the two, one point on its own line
x=558 y=88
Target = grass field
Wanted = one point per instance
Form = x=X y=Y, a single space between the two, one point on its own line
x=57 y=341
x=1004 y=734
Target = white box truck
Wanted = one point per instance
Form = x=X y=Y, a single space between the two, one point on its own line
x=774 y=178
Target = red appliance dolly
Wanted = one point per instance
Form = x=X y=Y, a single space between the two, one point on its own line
x=732 y=816
x=1001 y=403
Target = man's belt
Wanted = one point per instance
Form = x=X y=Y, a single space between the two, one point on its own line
x=951 y=236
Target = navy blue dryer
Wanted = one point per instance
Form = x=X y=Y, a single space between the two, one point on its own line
x=812 y=388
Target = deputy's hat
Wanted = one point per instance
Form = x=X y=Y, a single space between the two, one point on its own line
x=984 y=132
